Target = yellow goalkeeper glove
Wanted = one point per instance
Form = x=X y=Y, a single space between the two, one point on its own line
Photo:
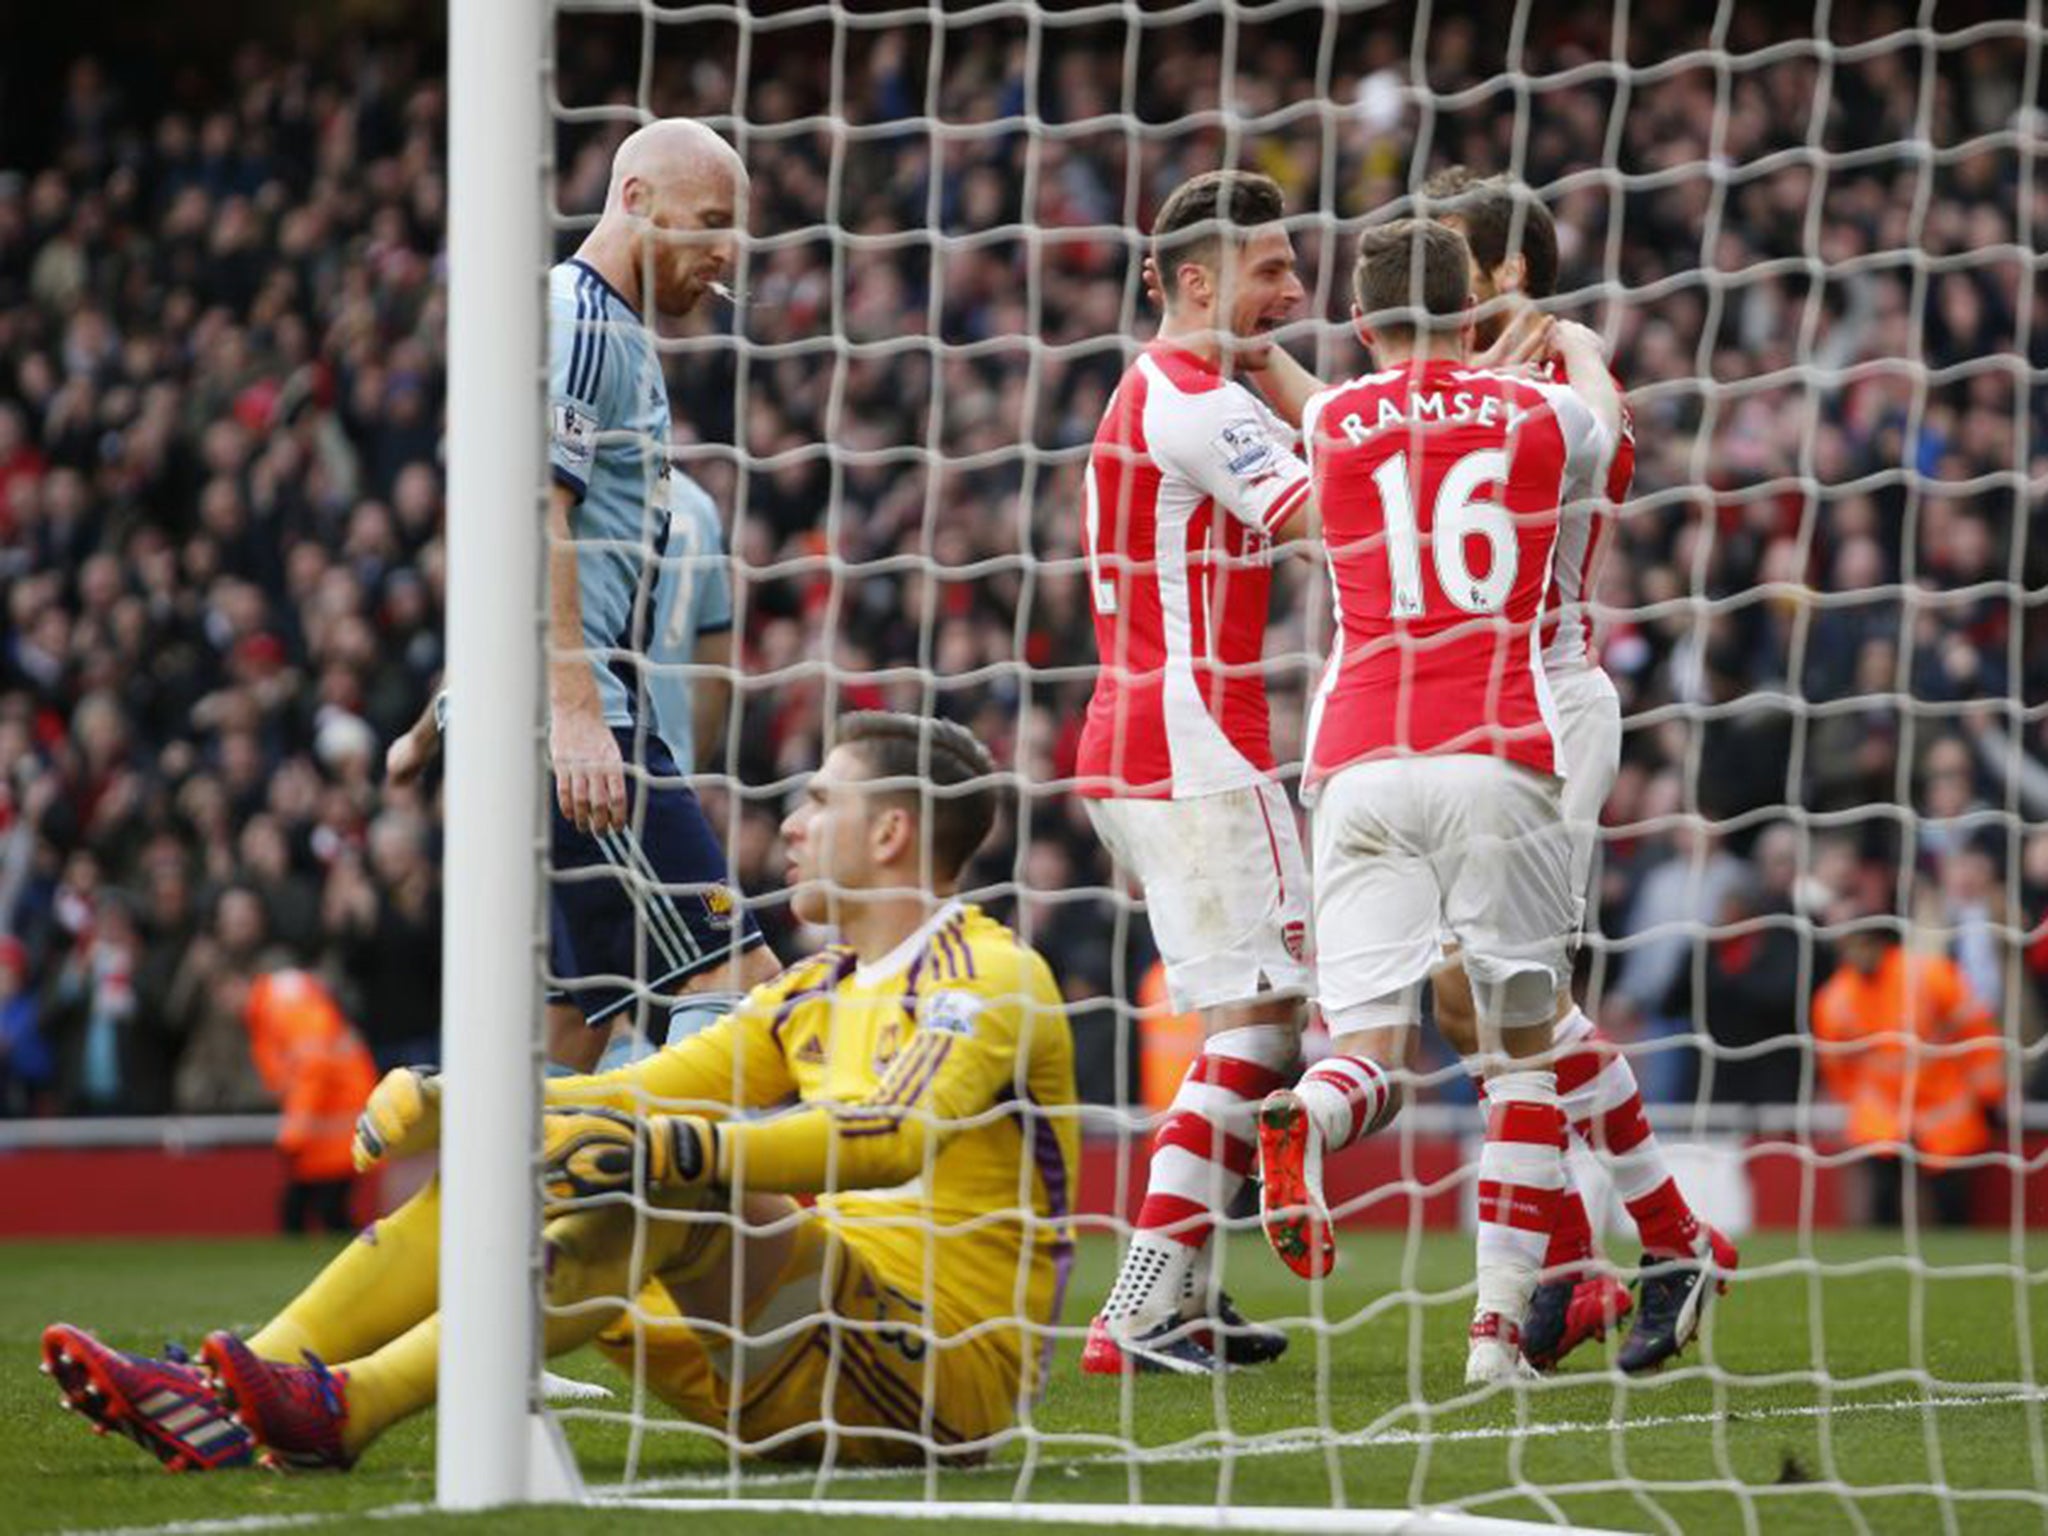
x=403 y=1116
x=602 y=1152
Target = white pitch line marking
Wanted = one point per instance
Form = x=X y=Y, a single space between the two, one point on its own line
x=626 y=1496
x=225 y=1526
x=1298 y=1444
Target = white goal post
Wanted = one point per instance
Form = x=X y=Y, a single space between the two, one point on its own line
x=490 y=1446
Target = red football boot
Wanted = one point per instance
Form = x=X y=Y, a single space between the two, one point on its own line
x=295 y=1412
x=1291 y=1187
x=1169 y=1347
x=164 y=1405
x=1565 y=1313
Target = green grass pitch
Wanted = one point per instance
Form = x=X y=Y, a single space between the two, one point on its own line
x=1777 y=1449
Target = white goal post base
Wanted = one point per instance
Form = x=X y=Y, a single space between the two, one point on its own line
x=1314 y=1522
x=552 y=1476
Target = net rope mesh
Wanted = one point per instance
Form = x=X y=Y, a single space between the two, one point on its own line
x=1808 y=235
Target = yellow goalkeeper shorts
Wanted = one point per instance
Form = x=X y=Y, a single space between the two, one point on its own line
x=836 y=1357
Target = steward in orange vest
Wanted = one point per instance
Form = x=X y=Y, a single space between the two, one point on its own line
x=322 y=1074
x=1915 y=1057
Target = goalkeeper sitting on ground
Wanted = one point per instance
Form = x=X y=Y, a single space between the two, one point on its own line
x=929 y=1069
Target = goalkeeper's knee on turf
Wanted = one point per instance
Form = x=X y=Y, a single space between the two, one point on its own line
x=689 y=1014
x=627 y=1047
x=694 y=1012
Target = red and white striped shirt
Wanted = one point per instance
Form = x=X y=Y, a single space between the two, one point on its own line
x=1189 y=475
x=1440 y=487
x=1582 y=534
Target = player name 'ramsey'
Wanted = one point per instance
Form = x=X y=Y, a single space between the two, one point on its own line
x=1461 y=405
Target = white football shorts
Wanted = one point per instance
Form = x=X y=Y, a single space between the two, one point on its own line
x=1589 y=736
x=1226 y=888
x=1412 y=850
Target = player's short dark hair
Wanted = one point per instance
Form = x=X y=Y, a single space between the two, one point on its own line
x=1412 y=274
x=948 y=774
x=1196 y=215
x=1501 y=216
x=1448 y=182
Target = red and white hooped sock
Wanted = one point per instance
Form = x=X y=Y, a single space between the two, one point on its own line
x=1521 y=1172
x=1201 y=1155
x=1571 y=1236
x=1597 y=1088
x=1347 y=1098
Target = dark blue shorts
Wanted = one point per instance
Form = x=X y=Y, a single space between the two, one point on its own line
x=635 y=912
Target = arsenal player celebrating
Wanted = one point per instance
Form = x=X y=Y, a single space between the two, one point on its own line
x=1189 y=477
x=1434 y=764
x=1513 y=245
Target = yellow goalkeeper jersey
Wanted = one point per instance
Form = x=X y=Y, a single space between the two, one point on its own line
x=931 y=1109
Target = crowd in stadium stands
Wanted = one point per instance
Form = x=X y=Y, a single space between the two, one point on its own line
x=221 y=384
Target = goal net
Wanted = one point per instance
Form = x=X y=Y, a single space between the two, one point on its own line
x=1809 y=236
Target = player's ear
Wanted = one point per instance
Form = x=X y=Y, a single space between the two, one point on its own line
x=1195 y=281
x=1512 y=275
x=1358 y=324
x=893 y=833
x=636 y=197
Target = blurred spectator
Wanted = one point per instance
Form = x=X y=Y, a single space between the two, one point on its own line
x=385 y=917
x=1972 y=900
x=320 y=1073
x=1653 y=1001
x=26 y=1070
x=290 y=901
x=215 y=1072
x=1917 y=1060
x=1752 y=997
x=91 y=1013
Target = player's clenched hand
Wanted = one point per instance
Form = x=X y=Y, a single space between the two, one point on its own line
x=402 y=1116
x=601 y=1152
x=1568 y=335
x=590 y=772
x=404 y=761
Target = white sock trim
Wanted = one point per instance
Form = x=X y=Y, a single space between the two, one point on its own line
x=1272 y=1046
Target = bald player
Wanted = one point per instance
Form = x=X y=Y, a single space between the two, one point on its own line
x=641 y=889
x=640 y=896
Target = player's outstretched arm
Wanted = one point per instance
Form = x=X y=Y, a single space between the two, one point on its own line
x=1285 y=384
x=591 y=1152
x=937 y=1081
x=711 y=1072
x=947 y=1073
x=1585 y=369
x=734 y=1064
